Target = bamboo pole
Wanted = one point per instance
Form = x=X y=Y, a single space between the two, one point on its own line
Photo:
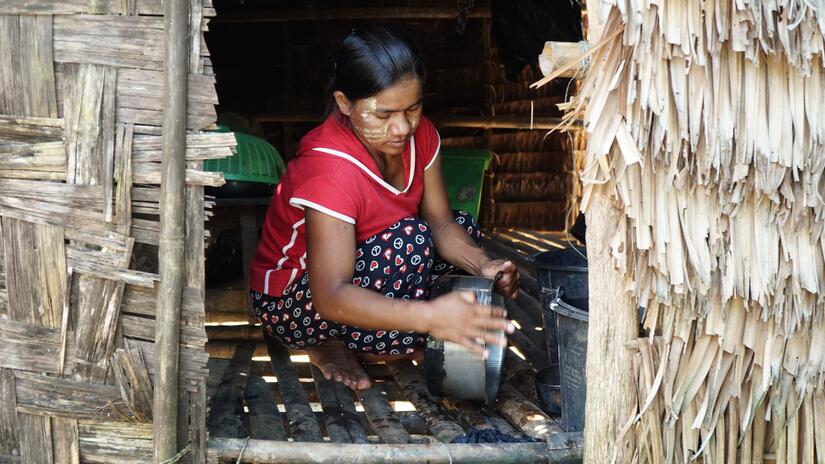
x=225 y=449
x=171 y=251
x=613 y=322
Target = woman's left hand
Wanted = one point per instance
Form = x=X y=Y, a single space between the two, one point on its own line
x=507 y=285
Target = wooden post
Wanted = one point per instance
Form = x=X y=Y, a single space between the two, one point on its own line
x=172 y=208
x=614 y=320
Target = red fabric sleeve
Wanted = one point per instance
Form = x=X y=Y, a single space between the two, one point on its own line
x=328 y=194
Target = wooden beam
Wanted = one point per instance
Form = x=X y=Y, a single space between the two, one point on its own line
x=414 y=386
x=302 y=422
x=265 y=421
x=381 y=417
x=224 y=450
x=340 y=417
x=527 y=416
x=338 y=14
x=226 y=408
x=441 y=120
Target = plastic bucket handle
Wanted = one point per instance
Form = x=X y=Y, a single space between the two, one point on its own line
x=561 y=308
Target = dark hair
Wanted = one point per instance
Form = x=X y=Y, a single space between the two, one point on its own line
x=371 y=59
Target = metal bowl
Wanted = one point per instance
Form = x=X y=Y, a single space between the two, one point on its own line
x=453 y=370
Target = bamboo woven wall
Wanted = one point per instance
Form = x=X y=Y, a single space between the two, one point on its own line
x=706 y=129
x=80 y=147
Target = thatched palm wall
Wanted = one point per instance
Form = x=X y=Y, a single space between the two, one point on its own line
x=706 y=131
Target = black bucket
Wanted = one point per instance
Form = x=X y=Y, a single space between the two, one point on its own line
x=565 y=270
x=548 y=390
x=571 y=323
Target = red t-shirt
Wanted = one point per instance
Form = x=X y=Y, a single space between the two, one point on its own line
x=333 y=173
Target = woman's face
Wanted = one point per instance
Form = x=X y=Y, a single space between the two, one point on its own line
x=385 y=121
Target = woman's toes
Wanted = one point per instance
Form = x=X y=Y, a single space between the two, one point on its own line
x=364 y=384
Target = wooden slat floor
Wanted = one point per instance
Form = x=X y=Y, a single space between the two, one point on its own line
x=272 y=394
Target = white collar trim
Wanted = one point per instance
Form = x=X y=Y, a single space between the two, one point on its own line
x=374 y=176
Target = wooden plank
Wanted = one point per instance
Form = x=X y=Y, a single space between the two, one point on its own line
x=10 y=79
x=427 y=405
x=35 y=265
x=27 y=78
x=29 y=347
x=528 y=417
x=118 y=41
x=33 y=159
x=230 y=450
x=36 y=68
x=191 y=367
x=226 y=408
x=217 y=369
x=38 y=394
x=149 y=173
x=139 y=98
x=249 y=244
x=155 y=118
x=109 y=442
x=35 y=439
x=65 y=440
x=505 y=238
x=144 y=329
x=140 y=301
x=265 y=421
x=133 y=379
x=537 y=243
x=97 y=313
x=60 y=7
x=88 y=108
x=342 y=422
x=199 y=146
x=302 y=422
x=85 y=264
x=31 y=129
x=226 y=300
x=124 y=142
x=381 y=417
x=54 y=214
x=197 y=418
x=196 y=41
x=144 y=83
x=78 y=196
x=9 y=425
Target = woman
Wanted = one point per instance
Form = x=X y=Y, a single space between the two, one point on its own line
x=348 y=250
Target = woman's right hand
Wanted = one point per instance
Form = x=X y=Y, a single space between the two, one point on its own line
x=457 y=317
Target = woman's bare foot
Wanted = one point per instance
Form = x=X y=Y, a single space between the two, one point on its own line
x=339 y=363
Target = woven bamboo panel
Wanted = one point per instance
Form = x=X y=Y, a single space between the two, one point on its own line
x=80 y=150
x=706 y=132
